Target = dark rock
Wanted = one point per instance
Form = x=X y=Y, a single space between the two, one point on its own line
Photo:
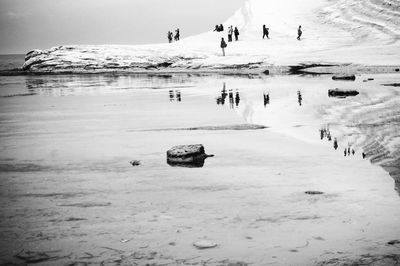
x=313 y=192
x=187 y=155
x=344 y=77
x=397 y=70
x=394 y=242
x=135 y=163
x=392 y=84
x=342 y=93
x=266 y=72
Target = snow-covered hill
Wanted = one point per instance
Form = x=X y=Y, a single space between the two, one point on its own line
x=364 y=32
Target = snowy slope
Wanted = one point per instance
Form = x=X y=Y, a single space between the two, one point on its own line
x=365 y=32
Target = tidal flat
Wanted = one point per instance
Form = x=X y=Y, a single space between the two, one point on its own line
x=69 y=195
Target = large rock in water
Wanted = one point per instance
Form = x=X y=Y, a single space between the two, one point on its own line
x=187 y=155
x=342 y=93
x=344 y=77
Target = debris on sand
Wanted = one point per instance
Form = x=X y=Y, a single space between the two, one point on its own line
x=203 y=244
x=135 y=163
x=342 y=93
x=314 y=192
x=344 y=77
x=187 y=155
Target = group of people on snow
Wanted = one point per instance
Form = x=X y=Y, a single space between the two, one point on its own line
x=223 y=44
x=171 y=36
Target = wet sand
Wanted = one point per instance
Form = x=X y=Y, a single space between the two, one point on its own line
x=68 y=190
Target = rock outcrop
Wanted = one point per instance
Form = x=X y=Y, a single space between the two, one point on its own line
x=187 y=155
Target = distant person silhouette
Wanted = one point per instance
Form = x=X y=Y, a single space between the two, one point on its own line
x=265 y=32
x=230 y=32
x=223 y=46
x=345 y=151
x=217 y=28
x=348 y=150
x=236 y=31
x=221 y=27
x=299 y=33
x=353 y=151
x=363 y=155
x=177 y=35
x=335 y=144
x=169 y=36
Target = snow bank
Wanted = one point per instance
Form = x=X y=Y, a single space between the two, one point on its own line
x=364 y=32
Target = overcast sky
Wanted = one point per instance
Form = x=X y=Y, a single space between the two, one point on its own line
x=29 y=24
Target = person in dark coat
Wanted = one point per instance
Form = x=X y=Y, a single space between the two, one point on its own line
x=265 y=32
x=236 y=31
x=169 y=36
x=223 y=46
x=221 y=27
x=217 y=28
x=177 y=35
x=299 y=33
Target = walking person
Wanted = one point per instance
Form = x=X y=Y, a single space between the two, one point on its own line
x=230 y=32
x=223 y=46
x=265 y=32
x=299 y=33
x=236 y=31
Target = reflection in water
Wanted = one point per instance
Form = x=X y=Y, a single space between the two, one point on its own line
x=266 y=99
x=221 y=99
x=234 y=98
x=197 y=163
x=175 y=95
x=299 y=97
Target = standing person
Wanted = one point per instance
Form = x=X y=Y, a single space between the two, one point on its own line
x=177 y=35
x=299 y=33
x=221 y=27
x=223 y=46
x=265 y=32
x=236 y=31
x=169 y=36
x=230 y=32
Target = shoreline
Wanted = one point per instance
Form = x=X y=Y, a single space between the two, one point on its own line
x=300 y=69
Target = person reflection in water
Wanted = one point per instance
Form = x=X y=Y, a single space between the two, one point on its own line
x=335 y=144
x=221 y=99
x=175 y=96
x=231 y=101
x=299 y=97
x=237 y=99
x=266 y=99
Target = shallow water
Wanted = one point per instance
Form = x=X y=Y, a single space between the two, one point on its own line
x=66 y=143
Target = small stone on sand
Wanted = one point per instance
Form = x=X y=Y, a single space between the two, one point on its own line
x=202 y=244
